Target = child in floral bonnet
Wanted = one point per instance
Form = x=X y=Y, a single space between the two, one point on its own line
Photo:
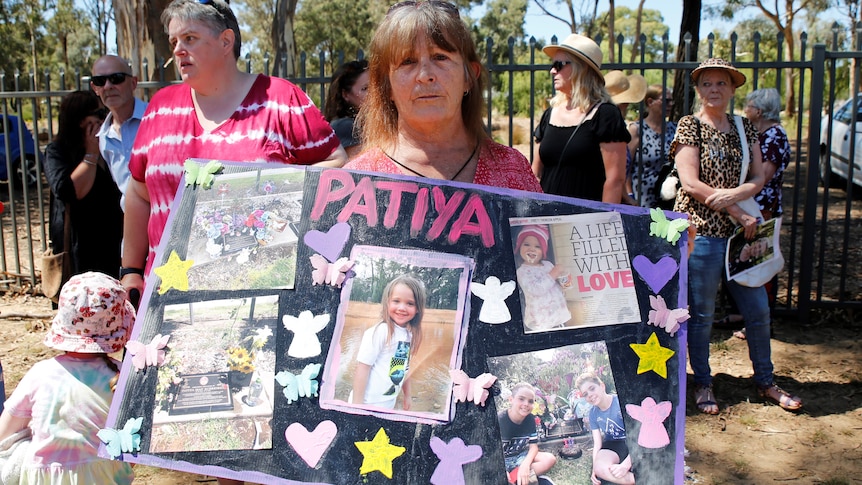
x=65 y=400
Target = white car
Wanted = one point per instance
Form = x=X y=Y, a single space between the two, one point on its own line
x=835 y=161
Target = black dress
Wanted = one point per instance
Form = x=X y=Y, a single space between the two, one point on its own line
x=96 y=220
x=580 y=171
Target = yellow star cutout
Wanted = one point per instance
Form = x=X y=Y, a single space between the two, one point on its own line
x=174 y=273
x=378 y=454
x=653 y=357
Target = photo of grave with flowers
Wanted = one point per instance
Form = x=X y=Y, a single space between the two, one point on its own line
x=242 y=235
x=215 y=389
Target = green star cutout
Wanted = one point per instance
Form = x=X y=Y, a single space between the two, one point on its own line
x=378 y=454
x=653 y=357
x=174 y=274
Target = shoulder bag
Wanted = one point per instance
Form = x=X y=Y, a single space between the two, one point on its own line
x=57 y=268
x=668 y=183
x=763 y=272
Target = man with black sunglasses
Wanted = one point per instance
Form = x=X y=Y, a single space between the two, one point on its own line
x=115 y=84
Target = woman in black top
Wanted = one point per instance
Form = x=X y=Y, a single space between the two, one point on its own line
x=79 y=177
x=581 y=139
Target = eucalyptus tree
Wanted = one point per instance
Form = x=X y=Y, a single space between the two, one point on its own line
x=141 y=36
x=630 y=24
x=782 y=14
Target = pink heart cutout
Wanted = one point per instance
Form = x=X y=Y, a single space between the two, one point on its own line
x=330 y=243
x=311 y=446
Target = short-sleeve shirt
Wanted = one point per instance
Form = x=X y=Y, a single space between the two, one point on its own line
x=720 y=168
x=516 y=438
x=389 y=363
x=610 y=421
x=576 y=168
x=67 y=401
x=343 y=128
x=776 y=150
x=649 y=159
x=498 y=166
x=276 y=122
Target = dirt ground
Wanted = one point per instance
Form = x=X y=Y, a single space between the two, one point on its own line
x=750 y=442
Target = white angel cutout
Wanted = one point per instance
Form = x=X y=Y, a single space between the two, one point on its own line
x=494 y=294
x=305 y=327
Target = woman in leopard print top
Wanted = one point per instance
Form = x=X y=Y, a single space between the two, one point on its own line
x=708 y=151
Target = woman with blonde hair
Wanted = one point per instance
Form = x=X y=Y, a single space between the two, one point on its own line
x=581 y=139
x=710 y=154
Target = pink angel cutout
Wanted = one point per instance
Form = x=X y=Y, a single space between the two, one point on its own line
x=651 y=415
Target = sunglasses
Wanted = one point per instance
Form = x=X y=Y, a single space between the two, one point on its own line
x=559 y=65
x=115 y=78
x=448 y=7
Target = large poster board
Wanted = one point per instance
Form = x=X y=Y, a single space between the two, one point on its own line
x=259 y=347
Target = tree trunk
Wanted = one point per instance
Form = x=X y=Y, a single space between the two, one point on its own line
x=690 y=24
x=141 y=36
x=612 y=38
x=283 y=42
x=636 y=48
x=790 y=89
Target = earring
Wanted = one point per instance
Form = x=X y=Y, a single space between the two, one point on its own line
x=466 y=93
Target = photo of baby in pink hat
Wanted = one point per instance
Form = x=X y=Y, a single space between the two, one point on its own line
x=540 y=280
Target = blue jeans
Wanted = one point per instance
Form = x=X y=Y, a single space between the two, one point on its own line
x=705 y=274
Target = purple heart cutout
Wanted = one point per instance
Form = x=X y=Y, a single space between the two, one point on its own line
x=656 y=275
x=329 y=244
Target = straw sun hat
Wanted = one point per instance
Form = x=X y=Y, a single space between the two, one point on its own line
x=581 y=47
x=93 y=316
x=625 y=89
x=737 y=77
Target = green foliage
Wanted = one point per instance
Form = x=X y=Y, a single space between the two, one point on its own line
x=271 y=274
x=503 y=19
x=625 y=24
x=336 y=26
x=520 y=93
x=520 y=84
x=441 y=284
x=255 y=18
x=554 y=372
x=77 y=44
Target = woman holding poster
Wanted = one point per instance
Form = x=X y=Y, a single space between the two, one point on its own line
x=423 y=113
x=708 y=151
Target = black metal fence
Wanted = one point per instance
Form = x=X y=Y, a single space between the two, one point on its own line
x=822 y=225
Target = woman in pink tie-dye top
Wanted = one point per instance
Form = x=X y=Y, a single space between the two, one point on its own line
x=65 y=400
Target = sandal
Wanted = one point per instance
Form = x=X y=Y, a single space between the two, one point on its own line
x=705 y=399
x=781 y=397
x=740 y=334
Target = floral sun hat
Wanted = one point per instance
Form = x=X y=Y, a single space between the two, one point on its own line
x=737 y=77
x=94 y=316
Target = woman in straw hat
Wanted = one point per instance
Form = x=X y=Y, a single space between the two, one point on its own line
x=581 y=139
x=709 y=155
